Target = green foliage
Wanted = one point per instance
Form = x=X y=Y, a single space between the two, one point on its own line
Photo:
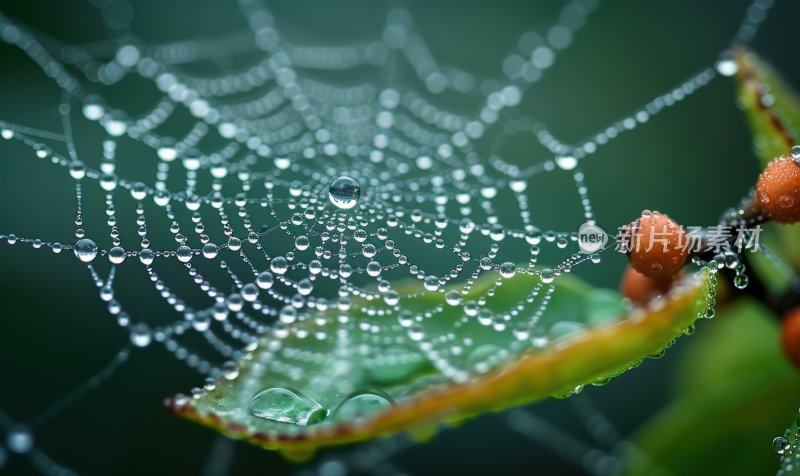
x=773 y=113
x=733 y=395
x=584 y=337
x=734 y=388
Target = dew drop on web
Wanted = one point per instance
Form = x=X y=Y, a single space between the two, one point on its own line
x=85 y=250
x=344 y=192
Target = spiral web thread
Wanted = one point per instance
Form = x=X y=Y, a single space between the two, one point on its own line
x=245 y=192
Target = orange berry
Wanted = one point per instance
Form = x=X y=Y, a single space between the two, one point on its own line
x=790 y=336
x=640 y=289
x=778 y=190
x=657 y=248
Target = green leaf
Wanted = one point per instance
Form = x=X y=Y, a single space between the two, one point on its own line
x=734 y=392
x=771 y=107
x=773 y=113
x=297 y=392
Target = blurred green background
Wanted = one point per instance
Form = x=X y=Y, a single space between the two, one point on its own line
x=691 y=161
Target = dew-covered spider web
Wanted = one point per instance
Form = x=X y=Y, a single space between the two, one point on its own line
x=339 y=220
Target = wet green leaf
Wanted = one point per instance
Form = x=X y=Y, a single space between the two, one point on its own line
x=314 y=383
x=734 y=393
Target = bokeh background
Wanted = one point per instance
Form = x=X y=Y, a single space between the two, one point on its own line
x=692 y=161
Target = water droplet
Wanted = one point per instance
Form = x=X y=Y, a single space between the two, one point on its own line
x=539 y=340
x=146 y=256
x=391 y=297
x=234 y=302
x=453 y=298
x=184 y=254
x=727 y=67
x=264 y=280
x=286 y=406
x=230 y=370
x=780 y=444
x=234 y=244
x=302 y=243
x=431 y=283
x=108 y=182
x=20 y=439
x=249 y=292
x=369 y=250
x=279 y=265
x=116 y=255
x=141 y=335
x=518 y=186
x=85 y=250
x=740 y=281
x=547 y=275
x=210 y=251
x=567 y=162
x=795 y=151
x=361 y=405
x=305 y=286
x=344 y=192
x=374 y=268
x=93 y=110
x=77 y=170
x=508 y=270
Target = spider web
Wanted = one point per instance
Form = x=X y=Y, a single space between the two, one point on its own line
x=224 y=190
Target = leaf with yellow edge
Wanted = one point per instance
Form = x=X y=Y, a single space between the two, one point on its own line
x=334 y=380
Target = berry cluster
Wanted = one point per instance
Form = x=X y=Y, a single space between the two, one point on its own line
x=654 y=269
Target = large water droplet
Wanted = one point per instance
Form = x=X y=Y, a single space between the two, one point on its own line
x=184 y=254
x=362 y=404
x=780 y=444
x=85 y=250
x=279 y=265
x=116 y=255
x=146 y=256
x=19 y=439
x=264 y=280
x=286 y=406
x=431 y=283
x=210 y=250
x=249 y=292
x=344 y=192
